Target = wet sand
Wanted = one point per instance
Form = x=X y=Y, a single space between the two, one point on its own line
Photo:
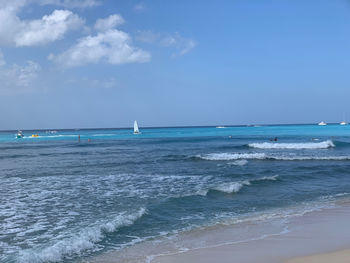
x=317 y=234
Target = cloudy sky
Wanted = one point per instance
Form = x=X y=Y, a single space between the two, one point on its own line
x=104 y=63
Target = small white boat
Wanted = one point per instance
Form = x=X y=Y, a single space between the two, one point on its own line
x=136 y=128
x=343 y=123
x=220 y=127
x=322 y=123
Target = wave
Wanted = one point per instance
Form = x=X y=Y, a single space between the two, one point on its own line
x=264 y=156
x=304 y=145
x=310 y=158
x=239 y=162
x=85 y=239
x=231 y=156
x=235 y=187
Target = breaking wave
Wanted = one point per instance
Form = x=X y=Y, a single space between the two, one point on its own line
x=264 y=156
x=304 y=145
x=231 y=156
x=234 y=187
x=85 y=239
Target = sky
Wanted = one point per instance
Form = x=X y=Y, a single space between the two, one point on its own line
x=106 y=63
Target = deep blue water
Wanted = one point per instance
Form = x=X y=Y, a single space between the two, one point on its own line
x=62 y=200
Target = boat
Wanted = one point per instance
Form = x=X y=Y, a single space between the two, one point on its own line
x=322 y=123
x=343 y=123
x=136 y=128
x=35 y=135
x=19 y=135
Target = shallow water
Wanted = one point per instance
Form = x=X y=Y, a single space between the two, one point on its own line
x=63 y=200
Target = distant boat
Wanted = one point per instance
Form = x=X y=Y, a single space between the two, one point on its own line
x=19 y=135
x=220 y=127
x=35 y=135
x=343 y=123
x=322 y=123
x=136 y=128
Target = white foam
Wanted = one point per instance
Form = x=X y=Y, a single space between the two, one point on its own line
x=273 y=178
x=304 y=145
x=231 y=187
x=83 y=240
x=234 y=187
x=264 y=156
x=232 y=156
x=310 y=158
x=239 y=162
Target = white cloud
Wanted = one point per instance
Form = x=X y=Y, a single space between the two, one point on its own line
x=112 y=46
x=14 y=31
x=176 y=41
x=19 y=79
x=71 y=3
x=184 y=45
x=110 y=22
x=10 y=24
x=48 y=29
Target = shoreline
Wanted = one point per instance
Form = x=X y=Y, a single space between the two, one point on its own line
x=317 y=235
x=285 y=239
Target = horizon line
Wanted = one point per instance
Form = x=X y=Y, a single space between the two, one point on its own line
x=162 y=127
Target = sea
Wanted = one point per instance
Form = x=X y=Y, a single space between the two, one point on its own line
x=77 y=195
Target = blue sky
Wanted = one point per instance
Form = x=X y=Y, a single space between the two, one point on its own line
x=104 y=63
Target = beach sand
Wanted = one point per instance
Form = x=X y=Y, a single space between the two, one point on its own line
x=312 y=237
x=317 y=234
x=342 y=256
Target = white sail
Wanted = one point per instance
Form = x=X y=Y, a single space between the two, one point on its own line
x=136 y=128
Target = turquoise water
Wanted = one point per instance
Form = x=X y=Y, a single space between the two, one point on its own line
x=280 y=130
x=64 y=200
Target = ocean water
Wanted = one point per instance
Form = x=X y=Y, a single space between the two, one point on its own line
x=64 y=200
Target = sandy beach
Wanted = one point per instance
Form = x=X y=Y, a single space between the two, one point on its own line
x=342 y=256
x=311 y=238
x=319 y=236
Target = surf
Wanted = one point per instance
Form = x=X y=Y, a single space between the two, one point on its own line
x=264 y=156
x=85 y=239
x=295 y=146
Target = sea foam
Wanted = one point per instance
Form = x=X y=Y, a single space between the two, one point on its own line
x=264 y=156
x=231 y=156
x=304 y=145
x=234 y=187
x=83 y=240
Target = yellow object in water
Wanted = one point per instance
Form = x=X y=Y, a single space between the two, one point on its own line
x=35 y=135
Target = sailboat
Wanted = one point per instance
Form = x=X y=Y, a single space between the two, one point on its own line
x=136 y=128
